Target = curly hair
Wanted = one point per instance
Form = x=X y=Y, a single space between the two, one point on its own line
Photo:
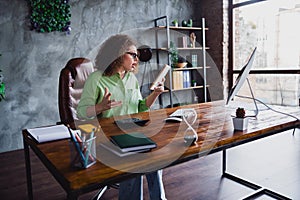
x=111 y=53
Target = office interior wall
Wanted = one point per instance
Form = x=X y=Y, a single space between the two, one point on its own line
x=31 y=61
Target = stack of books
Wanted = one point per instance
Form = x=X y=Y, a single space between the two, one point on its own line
x=177 y=80
x=181 y=79
x=130 y=143
x=133 y=142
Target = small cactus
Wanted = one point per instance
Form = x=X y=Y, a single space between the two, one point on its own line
x=240 y=113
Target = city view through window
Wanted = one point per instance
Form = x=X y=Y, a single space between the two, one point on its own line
x=273 y=27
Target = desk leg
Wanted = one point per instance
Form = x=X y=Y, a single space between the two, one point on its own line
x=28 y=170
x=259 y=189
x=233 y=177
x=224 y=164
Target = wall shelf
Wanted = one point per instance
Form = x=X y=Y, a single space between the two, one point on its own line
x=180 y=79
x=189 y=68
x=181 y=28
x=191 y=88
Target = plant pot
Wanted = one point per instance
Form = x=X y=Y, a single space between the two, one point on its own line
x=181 y=65
x=240 y=123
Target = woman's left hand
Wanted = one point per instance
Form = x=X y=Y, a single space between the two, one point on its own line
x=156 y=92
x=160 y=86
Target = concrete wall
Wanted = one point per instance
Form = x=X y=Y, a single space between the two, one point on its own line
x=31 y=61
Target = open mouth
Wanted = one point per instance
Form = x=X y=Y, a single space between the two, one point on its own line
x=133 y=66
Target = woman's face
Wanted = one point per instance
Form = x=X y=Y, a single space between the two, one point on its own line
x=130 y=59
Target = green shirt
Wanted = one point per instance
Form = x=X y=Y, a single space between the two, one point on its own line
x=125 y=90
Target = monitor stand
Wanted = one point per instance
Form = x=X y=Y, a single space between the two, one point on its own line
x=254 y=100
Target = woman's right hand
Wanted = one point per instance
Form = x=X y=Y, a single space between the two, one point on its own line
x=107 y=103
x=104 y=105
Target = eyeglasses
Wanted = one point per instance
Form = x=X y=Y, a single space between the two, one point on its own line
x=134 y=55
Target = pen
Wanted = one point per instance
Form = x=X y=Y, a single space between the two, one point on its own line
x=90 y=141
x=77 y=147
x=88 y=151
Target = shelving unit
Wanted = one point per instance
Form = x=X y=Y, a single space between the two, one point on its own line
x=197 y=72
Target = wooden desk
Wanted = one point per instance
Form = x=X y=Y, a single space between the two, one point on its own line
x=214 y=128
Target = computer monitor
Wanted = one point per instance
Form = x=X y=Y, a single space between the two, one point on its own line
x=242 y=77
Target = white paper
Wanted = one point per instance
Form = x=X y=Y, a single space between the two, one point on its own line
x=46 y=134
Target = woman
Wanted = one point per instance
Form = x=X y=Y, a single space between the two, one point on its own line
x=113 y=90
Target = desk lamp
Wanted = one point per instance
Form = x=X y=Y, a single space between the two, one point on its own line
x=145 y=54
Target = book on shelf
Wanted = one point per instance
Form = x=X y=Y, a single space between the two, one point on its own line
x=180 y=79
x=186 y=79
x=49 y=133
x=177 y=80
x=194 y=60
x=131 y=142
x=174 y=81
x=183 y=41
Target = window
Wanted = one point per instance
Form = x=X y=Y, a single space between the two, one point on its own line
x=271 y=26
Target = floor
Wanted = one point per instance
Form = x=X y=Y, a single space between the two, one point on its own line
x=272 y=162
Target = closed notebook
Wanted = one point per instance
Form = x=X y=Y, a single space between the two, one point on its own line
x=133 y=142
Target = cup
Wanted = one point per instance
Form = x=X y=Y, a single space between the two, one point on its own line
x=83 y=151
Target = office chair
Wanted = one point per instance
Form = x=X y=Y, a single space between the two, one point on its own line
x=71 y=82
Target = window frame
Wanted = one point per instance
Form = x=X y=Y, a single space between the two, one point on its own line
x=231 y=71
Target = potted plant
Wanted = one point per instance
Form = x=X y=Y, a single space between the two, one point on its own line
x=194 y=83
x=240 y=122
x=181 y=62
x=175 y=22
x=173 y=54
x=176 y=60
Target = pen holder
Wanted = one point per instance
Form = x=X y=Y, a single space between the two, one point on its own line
x=83 y=154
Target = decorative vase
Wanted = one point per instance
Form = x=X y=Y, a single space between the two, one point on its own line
x=240 y=124
x=190 y=23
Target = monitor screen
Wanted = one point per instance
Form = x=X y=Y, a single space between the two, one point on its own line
x=241 y=77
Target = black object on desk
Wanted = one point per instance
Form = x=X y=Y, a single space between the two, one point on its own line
x=132 y=121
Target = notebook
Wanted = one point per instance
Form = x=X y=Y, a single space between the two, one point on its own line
x=50 y=133
x=116 y=150
x=133 y=142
